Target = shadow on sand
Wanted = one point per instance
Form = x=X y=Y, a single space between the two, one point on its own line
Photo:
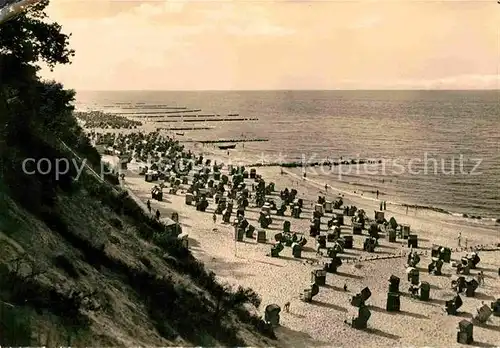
x=483 y=345
x=382 y=333
x=226 y=268
x=329 y=305
x=267 y=263
x=296 y=315
x=403 y=313
x=487 y=326
x=333 y=287
x=290 y=258
x=344 y=252
x=484 y=297
x=488 y=269
x=193 y=243
x=437 y=301
x=348 y=275
x=297 y=339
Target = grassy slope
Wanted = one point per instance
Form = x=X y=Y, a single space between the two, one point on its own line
x=144 y=295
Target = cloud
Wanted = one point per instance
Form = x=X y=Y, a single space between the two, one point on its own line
x=470 y=81
x=183 y=44
x=366 y=22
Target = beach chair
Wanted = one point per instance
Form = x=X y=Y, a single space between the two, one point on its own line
x=332 y=265
x=495 y=306
x=394 y=282
x=277 y=249
x=413 y=241
x=188 y=198
x=360 y=321
x=379 y=216
x=405 y=231
x=393 y=303
x=296 y=250
x=413 y=275
x=286 y=226
x=471 y=286
x=465 y=332
x=348 y=242
x=328 y=207
x=424 y=291
x=483 y=314
x=249 y=232
x=453 y=305
x=318 y=277
x=261 y=237
x=272 y=314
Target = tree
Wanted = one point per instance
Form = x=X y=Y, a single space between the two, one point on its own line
x=32 y=111
x=25 y=42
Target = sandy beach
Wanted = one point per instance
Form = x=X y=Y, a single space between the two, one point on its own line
x=321 y=323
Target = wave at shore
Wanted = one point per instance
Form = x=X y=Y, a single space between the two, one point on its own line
x=335 y=124
x=401 y=204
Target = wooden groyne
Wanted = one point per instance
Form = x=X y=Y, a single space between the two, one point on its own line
x=140 y=115
x=184 y=128
x=156 y=106
x=211 y=120
x=313 y=164
x=224 y=141
x=155 y=112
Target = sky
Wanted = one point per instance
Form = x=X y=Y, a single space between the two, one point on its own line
x=286 y=44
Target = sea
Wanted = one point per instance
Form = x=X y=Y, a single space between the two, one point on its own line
x=434 y=149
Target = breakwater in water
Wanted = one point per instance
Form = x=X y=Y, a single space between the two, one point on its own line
x=156 y=112
x=184 y=128
x=212 y=120
x=177 y=116
x=224 y=141
x=152 y=106
x=328 y=124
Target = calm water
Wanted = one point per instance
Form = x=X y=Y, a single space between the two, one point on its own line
x=403 y=126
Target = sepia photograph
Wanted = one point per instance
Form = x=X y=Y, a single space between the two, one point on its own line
x=250 y=173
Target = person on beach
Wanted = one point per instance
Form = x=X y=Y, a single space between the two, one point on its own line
x=385 y=205
x=480 y=278
x=214 y=217
x=377 y=194
x=381 y=205
x=304 y=176
x=157 y=214
x=326 y=187
x=459 y=238
x=148 y=203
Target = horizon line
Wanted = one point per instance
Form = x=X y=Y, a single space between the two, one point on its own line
x=289 y=90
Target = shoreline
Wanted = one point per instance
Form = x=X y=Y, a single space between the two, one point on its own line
x=320 y=323
x=347 y=188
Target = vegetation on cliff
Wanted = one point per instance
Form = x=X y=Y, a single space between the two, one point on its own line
x=80 y=262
